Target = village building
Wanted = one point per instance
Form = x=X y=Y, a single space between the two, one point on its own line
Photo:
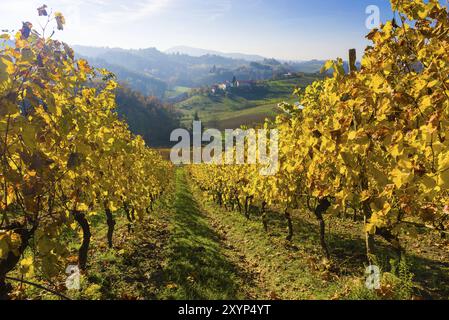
x=245 y=83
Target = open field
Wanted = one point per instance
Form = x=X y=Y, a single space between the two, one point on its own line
x=176 y=91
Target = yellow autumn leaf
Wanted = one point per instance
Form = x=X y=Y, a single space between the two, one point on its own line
x=26 y=267
x=82 y=207
x=400 y=177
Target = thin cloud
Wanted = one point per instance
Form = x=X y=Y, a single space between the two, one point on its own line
x=220 y=9
x=202 y=10
x=134 y=12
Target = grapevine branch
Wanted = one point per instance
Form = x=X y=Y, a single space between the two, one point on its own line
x=39 y=287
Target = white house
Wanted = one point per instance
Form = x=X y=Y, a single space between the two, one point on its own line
x=244 y=84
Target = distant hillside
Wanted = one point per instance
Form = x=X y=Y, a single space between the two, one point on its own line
x=151 y=71
x=311 y=66
x=197 y=52
x=241 y=106
x=141 y=82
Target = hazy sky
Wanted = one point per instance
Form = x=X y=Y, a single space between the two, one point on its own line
x=286 y=29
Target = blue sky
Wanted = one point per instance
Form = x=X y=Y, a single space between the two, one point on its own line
x=285 y=29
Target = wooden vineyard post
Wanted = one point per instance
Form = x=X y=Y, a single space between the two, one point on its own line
x=352 y=60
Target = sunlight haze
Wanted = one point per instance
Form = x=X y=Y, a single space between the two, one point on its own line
x=281 y=29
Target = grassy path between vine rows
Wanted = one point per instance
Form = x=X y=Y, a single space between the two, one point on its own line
x=193 y=249
x=190 y=249
x=197 y=267
x=175 y=254
x=215 y=254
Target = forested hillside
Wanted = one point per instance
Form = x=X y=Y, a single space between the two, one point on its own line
x=147 y=116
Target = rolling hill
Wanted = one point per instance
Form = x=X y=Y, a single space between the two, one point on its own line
x=241 y=106
x=153 y=72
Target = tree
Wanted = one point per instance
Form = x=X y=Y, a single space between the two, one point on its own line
x=196 y=117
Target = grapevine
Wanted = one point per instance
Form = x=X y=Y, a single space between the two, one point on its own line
x=375 y=140
x=65 y=155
